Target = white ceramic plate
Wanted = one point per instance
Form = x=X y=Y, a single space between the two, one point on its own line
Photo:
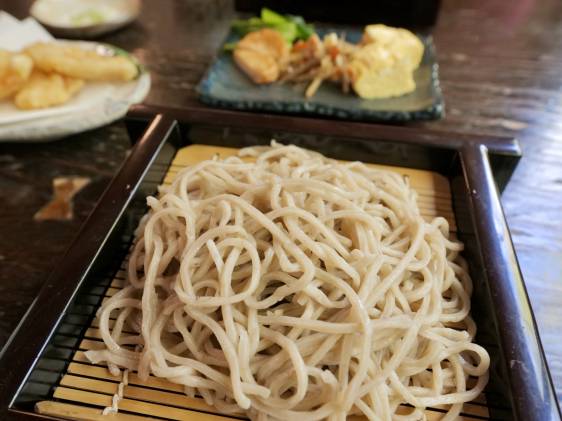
x=97 y=104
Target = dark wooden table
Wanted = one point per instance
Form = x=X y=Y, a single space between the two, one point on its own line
x=501 y=73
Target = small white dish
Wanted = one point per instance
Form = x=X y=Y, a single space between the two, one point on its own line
x=97 y=104
x=84 y=18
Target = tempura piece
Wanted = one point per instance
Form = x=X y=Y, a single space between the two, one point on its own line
x=76 y=62
x=261 y=55
x=384 y=65
x=14 y=72
x=46 y=89
x=376 y=73
x=401 y=43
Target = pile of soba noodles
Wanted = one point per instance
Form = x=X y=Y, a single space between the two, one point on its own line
x=297 y=287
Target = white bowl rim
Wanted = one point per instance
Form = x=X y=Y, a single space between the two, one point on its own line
x=132 y=14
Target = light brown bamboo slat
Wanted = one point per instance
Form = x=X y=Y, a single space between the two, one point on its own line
x=81 y=413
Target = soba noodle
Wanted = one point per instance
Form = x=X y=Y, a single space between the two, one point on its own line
x=297 y=287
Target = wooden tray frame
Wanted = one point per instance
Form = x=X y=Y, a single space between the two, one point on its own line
x=478 y=169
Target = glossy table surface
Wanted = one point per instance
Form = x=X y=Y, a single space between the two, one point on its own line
x=500 y=70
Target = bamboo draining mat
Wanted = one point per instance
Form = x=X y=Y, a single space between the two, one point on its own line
x=85 y=389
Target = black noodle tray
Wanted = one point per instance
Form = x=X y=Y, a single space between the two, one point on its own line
x=44 y=374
